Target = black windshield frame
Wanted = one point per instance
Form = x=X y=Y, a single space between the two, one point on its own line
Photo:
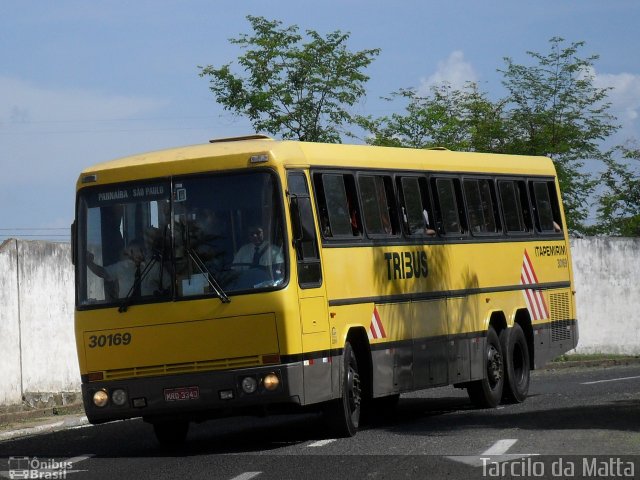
x=177 y=236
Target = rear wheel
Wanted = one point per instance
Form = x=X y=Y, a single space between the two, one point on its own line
x=344 y=413
x=517 y=366
x=486 y=393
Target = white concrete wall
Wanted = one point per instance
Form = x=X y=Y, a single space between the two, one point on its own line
x=49 y=359
x=10 y=368
x=37 y=346
x=607 y=280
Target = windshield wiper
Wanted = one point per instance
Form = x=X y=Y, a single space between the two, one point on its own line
x=138 y=282
x=157 y=256
x=195 y=258
x=215 y=286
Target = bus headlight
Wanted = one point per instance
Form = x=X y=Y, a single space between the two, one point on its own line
x=119 y=397
x=271 y=381
x=100 y=398
x=249 y=384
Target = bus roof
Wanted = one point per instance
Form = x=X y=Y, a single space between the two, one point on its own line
x=236 y=154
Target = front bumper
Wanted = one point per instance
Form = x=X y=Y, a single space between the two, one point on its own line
x=219 y=394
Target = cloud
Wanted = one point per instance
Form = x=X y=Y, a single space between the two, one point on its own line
x=455 y=70
x=48 y=135
x=625 y=100
x=23 y=102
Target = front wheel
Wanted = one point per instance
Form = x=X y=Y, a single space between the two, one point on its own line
x=344 y=413
x=486 y=393
x=517 y=365
x=171 y=433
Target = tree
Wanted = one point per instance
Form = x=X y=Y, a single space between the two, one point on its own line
x=299 y=88
x=552 y=109
x=619 y=205
x=457 y=119
x=430 y=121
x=556 y=110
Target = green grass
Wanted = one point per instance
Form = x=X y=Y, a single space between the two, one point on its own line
x=578 y=357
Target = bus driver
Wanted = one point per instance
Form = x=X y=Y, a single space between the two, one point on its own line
x=258 y=252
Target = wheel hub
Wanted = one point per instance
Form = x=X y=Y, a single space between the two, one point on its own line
x=494 y=365
x=353 y=380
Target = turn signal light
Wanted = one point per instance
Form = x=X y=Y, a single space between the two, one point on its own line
x=271 y=381
x=100 y=398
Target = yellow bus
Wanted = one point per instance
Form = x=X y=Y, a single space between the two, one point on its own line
x=251 y=275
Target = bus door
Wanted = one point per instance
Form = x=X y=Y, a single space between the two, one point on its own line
x=314 y=316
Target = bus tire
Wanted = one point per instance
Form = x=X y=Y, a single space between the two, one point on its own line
x=344 y=413
x=517 y=365
x=171 y=433
x=487 y=393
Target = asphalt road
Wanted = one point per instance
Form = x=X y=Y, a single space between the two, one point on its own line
x=577 y=423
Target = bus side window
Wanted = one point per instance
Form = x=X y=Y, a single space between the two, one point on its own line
x=321 y=204
x=378 y=205
x=417 y=215
x=515 y=206
x=392 y=206
x=449 y=206
x=306 y=244
x=490 y=205
x=546 y=208
x=526 y=205
x=337 y=205
x=480 y=206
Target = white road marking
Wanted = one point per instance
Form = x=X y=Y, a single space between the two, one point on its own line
x=321 y=443
x=610 y=380
x=246 y=476
x=495 y=453
x=500 y=447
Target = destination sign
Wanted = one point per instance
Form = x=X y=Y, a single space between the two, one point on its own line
x=130 y=194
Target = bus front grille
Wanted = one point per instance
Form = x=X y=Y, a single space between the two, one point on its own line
x=188 y=367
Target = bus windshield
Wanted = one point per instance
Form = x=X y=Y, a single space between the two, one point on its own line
x=184 y=237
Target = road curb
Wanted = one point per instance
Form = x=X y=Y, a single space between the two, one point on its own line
x=69 y=421
x=610 y=362
x=18 y=413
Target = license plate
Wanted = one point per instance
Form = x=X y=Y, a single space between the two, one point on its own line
x=181 y=393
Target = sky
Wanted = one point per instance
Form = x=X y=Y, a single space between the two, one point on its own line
x=85 y=82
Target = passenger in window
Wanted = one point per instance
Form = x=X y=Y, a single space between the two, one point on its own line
x=427 y=229
x=127 y=276
x=354 y=222
x=259 y=253
x=386 y=225
x=353 y=217
x=475 y=222
x=324 y=223
x=556 y=227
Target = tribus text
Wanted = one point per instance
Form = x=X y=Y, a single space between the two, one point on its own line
x=406 y=265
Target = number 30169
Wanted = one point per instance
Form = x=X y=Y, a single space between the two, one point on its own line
x=113 y=339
